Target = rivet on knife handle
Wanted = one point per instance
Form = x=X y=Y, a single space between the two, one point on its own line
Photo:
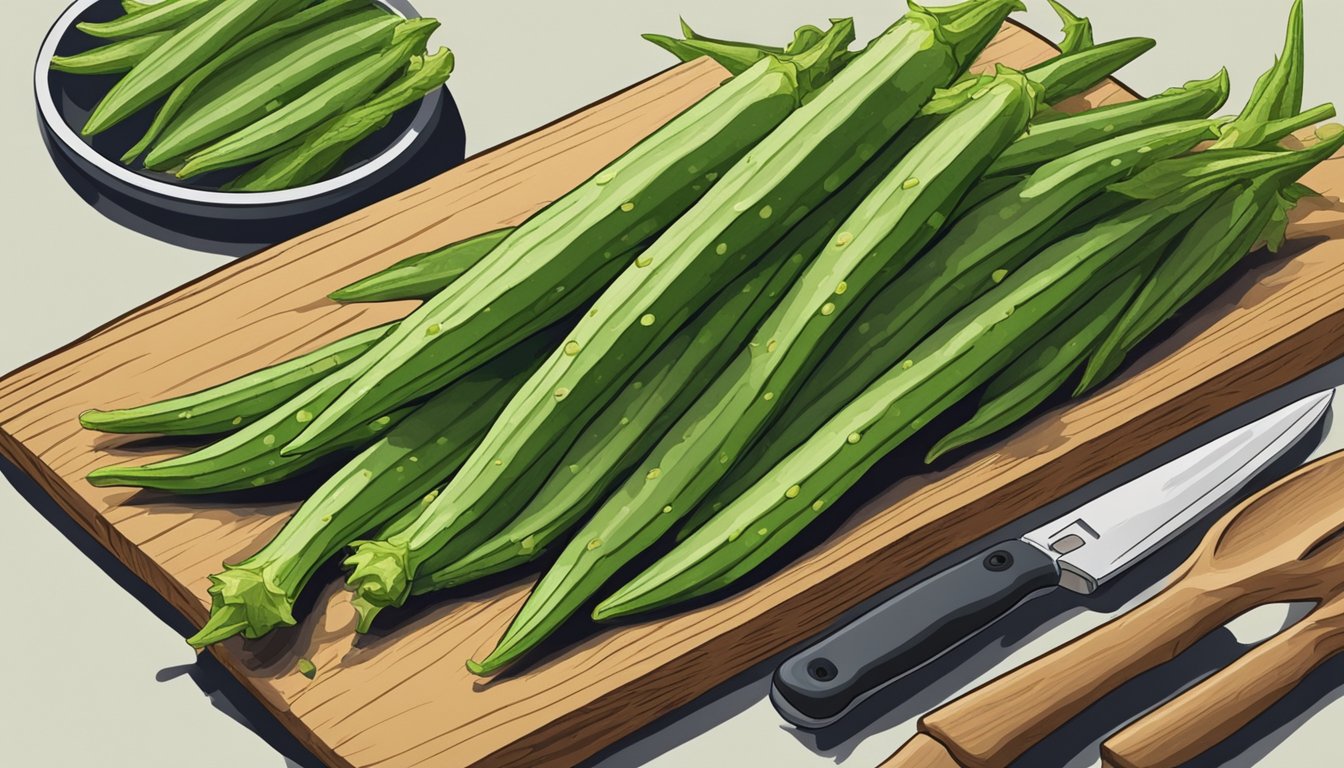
x=819 y=685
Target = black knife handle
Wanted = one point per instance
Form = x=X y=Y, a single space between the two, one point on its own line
x=818 y=685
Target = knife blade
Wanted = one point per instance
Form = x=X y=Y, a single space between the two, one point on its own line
x=1079 y=551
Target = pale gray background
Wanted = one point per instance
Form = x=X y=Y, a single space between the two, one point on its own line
x=89 y=676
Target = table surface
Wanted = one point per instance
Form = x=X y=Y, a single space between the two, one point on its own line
x=93 y=670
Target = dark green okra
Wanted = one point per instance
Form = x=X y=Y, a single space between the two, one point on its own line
x=245 y=48
x=401 y=469
x=237 y=403
x=960 y=356
x=1043 y=368
x=322 y=149
x=718 y=239
x=147 y=20
x=258 y=85
x=342 y=89
x=423 y=275
x=1214 y=244
x=989 y=243
x=112 y=59
x=191 y=47
x=875 y=242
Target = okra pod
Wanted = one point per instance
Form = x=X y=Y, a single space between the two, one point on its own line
x=256 y=595
x=253 y=43
x=1077 y=78
x=237 y=403
x=819 y=54
x=642 y=413
x=248 y=458
x=573 y=243
x=423 y=275
x=956 y=359
x=989 y=243
x=111 y=59
x=875 y=242
x=814 y=151
x=1213 y=245
x=1077 y=29
x=158 y=17
x=1277 y=93
x=345 y=87
x=321 y=150
x=135 y=6
x=1046 y=141
x=1044 y=367
x=249 y=90
x=190 y=47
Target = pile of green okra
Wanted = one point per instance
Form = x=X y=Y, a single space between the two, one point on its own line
x=707 y=343
x=284 y=88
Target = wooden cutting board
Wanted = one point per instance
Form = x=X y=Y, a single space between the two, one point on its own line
x=402 y=697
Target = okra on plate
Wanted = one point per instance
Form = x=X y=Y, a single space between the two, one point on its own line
x=111 y=59
x=321 y=149
x=157 y=17
x=815 y=151
x=404 y=466
x=871 y=245
x=342 y=89
x=190 y=47
x=256 y=86
x=242 y=50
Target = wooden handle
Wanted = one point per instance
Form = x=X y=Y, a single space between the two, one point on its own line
x=1210 y=712
x=921 y=751
x=994 y=724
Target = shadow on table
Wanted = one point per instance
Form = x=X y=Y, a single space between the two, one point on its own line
x=223 y=690
x=1077 y=744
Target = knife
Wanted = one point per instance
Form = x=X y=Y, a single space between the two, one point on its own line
x=1079 y=552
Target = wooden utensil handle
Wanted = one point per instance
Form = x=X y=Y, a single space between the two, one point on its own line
x=1210 y=712
x=921 y=751
x=996 y=723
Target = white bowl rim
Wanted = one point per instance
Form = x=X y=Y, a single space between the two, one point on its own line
x=67 y=136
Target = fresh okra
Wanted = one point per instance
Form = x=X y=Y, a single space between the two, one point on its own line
x=815 y=150
x=237 y=403
x=191 y=47
x=324 y=147
x=343 y=89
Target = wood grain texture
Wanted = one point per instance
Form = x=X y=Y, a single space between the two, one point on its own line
x=1204 y=716
x=1284 y=544
x=402 y=697
x=921 y=751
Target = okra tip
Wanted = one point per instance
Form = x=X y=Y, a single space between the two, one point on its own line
x=243 y=601
x=379 y=576
x=365 y=613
